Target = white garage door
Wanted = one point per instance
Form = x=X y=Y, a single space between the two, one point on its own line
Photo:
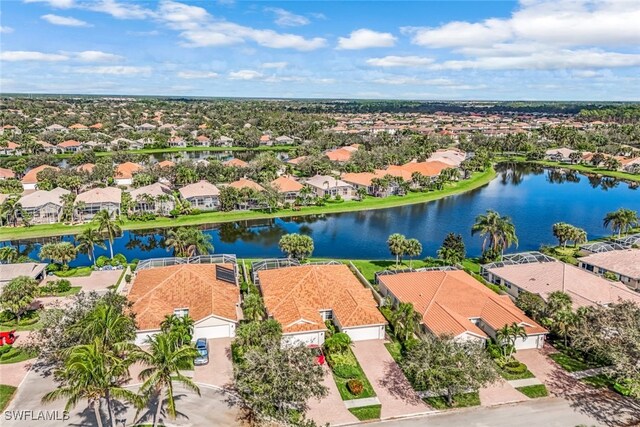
x=218 y=331
x=306 y=339
x=534 y=341
x=363 y=334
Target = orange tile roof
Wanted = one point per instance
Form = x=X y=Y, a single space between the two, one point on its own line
x=31 y=177
x=127 y=169
x=428 y=168
x=11 y=145
x=294 y=296
x=236 y=163
x=97 y=126
x=447 y=300
x=6 y=173
x=246 y=183
x=157 y=292
x=341 y=154
x=285 y=184
x=166 y=164
x=78 y=126
x=265 y=138
x=87 y=167
x=296 y=160
x=69 y=143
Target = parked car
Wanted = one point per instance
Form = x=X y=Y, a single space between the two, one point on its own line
x=317 y=352
x=203 y=348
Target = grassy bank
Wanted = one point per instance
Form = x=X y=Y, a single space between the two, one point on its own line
x=6 y=393
x=45 y=230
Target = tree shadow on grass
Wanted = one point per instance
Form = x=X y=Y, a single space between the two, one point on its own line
x=397 y=384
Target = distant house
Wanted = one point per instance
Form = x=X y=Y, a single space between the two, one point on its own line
x=623 y=264
x=166 y=164
x=202 y=195
x=367 y=181
x=224 y=141
x=450 y=156
x=78 y=126
x=145 y=127
x=48 y=148
x=86 y=168
x=288 y=187
x=44 y=207
x=301 y=298
x=12 y=149
x=327 y=185
x=6 y=173
x=177 y=142
x=30 y=179
x=452 y=302
x=243 y=183
x=56 y=128
x=202 y=141
x=34 y=270
x=96 y=126
x=125 y=171
x=70 y=146
x=559 y=155
x=155 y=198
x=207 y=293
x=266 y=140
x=343 y=154
x=237 y=163
x=98 y=199
x=284 y=140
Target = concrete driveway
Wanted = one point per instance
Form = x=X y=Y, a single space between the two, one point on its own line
x=211 y=409
x=97 y=281
x=394 y=391
x=331 y=408
x=219 y=371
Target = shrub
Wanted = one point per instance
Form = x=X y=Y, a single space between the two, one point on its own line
x=5 y=349
x=195 y=212
x=102 y=261
x=338 y=197
x=355 y=387
x=119 y=259
x=337 y=343
x=51 y=268
x=610 y=276
x=127 y=278
x=346 y=371
x=515 y=367
x=63 y=285
x=494 y=351
x=337 y=359
x=134 y=264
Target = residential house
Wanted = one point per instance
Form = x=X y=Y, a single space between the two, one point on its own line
x=367 y=181
x=543 y=275
x=243 y=183
x=451 y=156
x=56 y=128
x=145 y=127
x=6 y=174
x=288 y=187
x=302 y=297
x=202 y=195
x=12 y=149
x=207 y=293
x=202 y=141
x=284 y=140
x=86 y=168
x=266 y=140
x=451 y=302
x=623 y=264
x=30 y=179
x=166 y=164
x=559 y=155
x=96 y=126
x=69 y=146
x=155 y=198
x=323 y=185
x=44 y=207
x=46 y=147
x=78 y=127
x=224 y=141
x=98 y=199
x=343 y=154
x=177 y=141
x=237 y=163
x=125 y=171
x=34 y=270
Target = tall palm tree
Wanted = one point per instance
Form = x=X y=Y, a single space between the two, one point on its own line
x=506 y=338
x=109 y=325
x=108 y=225
x=11 y=209
x=563 y=322
x=506 y=233
x=396 y=243
x=94 y=373
x=188 y=241
x=181 y=327
x=88 y=240
x=412 y=248
x=8 y=254
x=487 y=225
x=253 y=308
x=164 y=360
x=621 y=220
x=556 y=302
x=405 y=320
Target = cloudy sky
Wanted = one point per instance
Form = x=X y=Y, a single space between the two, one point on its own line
x=531 y=49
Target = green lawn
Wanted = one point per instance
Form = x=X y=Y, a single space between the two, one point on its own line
x=599 y=381
x=472 y=264
x=6 y=393
x=570 y=364
x=395 y=350
x=75 y=272
x=72 y=291
x=534 y=391
x=365 y=413
x=29 y=322
x=477 y=180
x=341 y=383
x=15 y=355
x=590 y=169
x=509 y=376
x=459 y=401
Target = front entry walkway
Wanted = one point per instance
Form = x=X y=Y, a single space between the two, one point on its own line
x=394 y=391
x=330 y=409
x=219 y=371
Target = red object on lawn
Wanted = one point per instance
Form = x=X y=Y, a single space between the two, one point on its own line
x=7 y=337
x=318 y=353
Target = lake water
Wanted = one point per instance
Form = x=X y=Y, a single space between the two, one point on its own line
x=535 y=198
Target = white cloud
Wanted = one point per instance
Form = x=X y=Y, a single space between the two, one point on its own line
x=144 y=33
x=364 y=39
x=5 y=29
x=276 y=65
x=182 y=16
x=127 y=10
x=97 y=56
x=284 y=18
x=245 y=75
x=456 y=34
x=194 y=74
x=587 y=74
x=414 y=81
x=66 y=21
x=24 y=55
x=59 y=4
x=119 y=70
x=400 y=61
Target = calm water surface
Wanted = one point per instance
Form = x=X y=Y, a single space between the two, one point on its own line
x=534 y=197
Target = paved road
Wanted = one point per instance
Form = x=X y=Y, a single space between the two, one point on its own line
x=548 y=412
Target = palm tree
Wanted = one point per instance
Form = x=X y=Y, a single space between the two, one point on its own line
x=506 y=233
x=164 y=360
x=188 y=241
x=621 y=220
x=181 y=327
x=11 y=210
x=487 y=225
x=108 y=226
x=107 y=324
x=88 y=240
x=8 y=254
x=563 y=322
x=94 y=373
x=253 y=308
x=412 y=248
x=405 y=320
x=556 y=302
x=506 y=338
x=396 y=243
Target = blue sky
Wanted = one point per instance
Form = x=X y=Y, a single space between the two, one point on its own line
x=527 y=49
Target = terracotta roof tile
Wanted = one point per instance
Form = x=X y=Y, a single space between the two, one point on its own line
x=31 y=177
x=127 y=169
x=246 y=183
x=285 y=184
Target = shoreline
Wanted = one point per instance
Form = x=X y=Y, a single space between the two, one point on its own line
x=479 y=179
x=625 y=176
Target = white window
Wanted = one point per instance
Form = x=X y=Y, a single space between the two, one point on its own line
x=327 y=315
x=181 y=312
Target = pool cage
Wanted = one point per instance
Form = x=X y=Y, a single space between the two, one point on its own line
x=599 y=247
x=415 y=270
x=275 y=263
x=202 y=259
x=516 y=259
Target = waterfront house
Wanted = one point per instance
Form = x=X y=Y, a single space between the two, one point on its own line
x=624 y=264
x=451 y=156
x=155 y=198
x=284 y=140
x=541 y=275
x=207 y=292
x=56 y=128
x=34 y=270
x=6 y=173
x=244 y=183
x=327 y=185
x=224 y=141
x=44 y=207
x=202 y=195
x=30 y=179
x=145 y=127
x=266 y=140
x=202 y=141
x=302 y=297
x=288 y=187
x=451 y=302
x=367 y=180
x=236 y=163
x=559 y=155
x=125 y=171
x=69 y=146
x=98 y=199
